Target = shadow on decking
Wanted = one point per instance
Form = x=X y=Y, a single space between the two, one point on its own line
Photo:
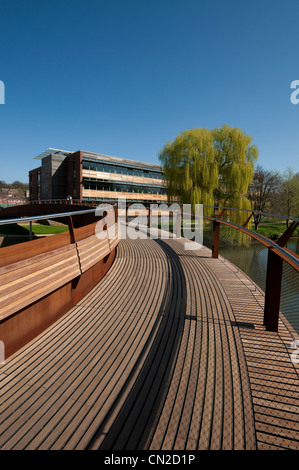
x=136 y=421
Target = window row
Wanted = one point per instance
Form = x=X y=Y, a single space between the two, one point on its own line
x=132 y=200
x=122 y=188
x=121 y=170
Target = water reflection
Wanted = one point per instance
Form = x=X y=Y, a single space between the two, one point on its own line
x=293 y=245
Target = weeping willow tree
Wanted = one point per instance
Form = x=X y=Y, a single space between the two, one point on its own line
x=236 y=156
x=190 y=168
x=210 y=167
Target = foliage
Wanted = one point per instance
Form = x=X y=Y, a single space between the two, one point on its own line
x=273 y=231
x=203 y=166
x=210 y=167
x=17 y=189
x=190 y=167
x=14 y=185
x=235 y=155
x=289 y=194
x=264 y=185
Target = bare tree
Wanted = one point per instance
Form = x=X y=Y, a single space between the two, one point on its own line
x=289 y=194
x=264 y=185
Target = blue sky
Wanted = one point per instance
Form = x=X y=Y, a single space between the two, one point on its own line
x=123 y=77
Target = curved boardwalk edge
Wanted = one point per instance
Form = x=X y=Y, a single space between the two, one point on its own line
x=272 y=376
x=168 y=351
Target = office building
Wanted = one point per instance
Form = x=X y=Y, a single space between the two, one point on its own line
x=94 y=177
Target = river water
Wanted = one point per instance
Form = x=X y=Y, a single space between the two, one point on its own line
x=253 y=261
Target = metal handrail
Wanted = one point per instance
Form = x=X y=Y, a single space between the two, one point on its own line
x=48 y=216
x=282 y=252
x=68 y=201
x=253 y=211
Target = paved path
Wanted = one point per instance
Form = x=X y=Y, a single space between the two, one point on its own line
x=167 y=352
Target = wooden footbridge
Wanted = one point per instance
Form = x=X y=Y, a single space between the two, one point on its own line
x=140 y=344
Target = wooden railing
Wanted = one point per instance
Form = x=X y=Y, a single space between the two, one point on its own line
x=41 y=279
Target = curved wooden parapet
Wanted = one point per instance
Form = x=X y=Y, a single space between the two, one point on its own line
x=41 y=279
x=91 y=250
x=24 y=282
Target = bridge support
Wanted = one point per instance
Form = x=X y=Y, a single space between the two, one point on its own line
x=247 y=220
x=273 y=290
x=127 y=213
x=216 y=238
x=273 y=282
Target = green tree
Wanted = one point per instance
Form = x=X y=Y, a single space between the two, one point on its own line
x=208 y=167
x=190 y=167
x=235 y=155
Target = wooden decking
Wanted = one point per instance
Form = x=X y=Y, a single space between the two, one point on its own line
x=167 y=352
